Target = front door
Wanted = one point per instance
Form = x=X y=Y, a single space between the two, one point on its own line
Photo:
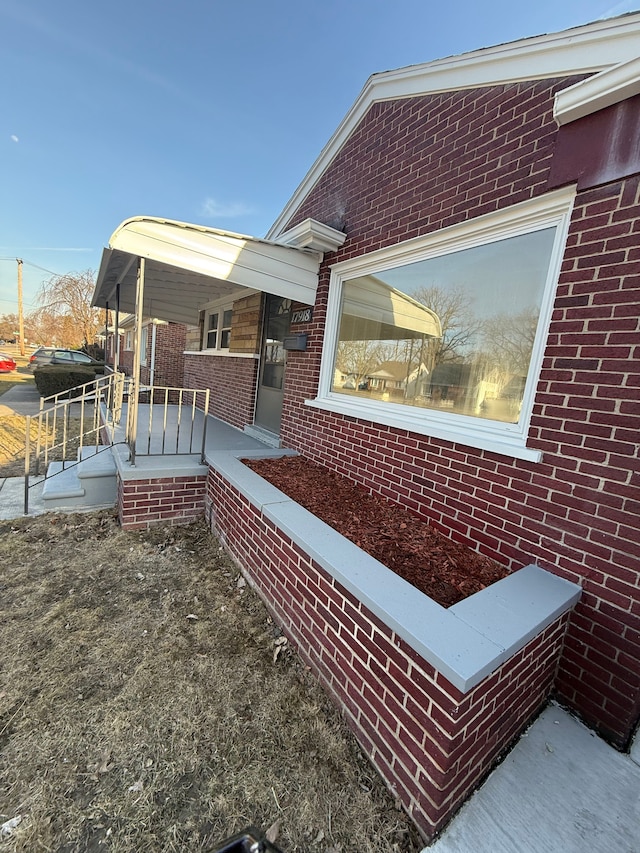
x=277 y=316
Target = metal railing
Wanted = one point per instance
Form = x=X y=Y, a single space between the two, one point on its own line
x=87 y=416
x=167 y=421
x=160 y=421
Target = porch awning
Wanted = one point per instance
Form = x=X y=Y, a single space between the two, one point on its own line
x=189 y=265
x=375 y=311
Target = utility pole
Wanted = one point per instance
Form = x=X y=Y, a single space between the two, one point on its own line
x=20 y=313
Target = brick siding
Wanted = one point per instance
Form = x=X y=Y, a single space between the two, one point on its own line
x=232 y=382
x=169 y=356
x=431 y=743
x=168 y=500
x=417 y=165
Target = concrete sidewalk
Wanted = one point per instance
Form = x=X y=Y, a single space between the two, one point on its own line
x=12 y=497
x=561 y=789
x=22 y=399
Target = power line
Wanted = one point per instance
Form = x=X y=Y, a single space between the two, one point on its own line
x=51 y=272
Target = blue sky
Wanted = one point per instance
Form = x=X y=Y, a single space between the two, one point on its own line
x=202 y=111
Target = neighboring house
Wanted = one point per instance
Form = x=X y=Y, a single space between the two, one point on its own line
x=480 y=216
x=402 y=379
x=161 y=352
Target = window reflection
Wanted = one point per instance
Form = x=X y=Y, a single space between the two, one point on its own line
x=454 y=332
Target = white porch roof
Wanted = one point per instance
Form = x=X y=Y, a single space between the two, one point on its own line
x=188 y=265
x=373 y=310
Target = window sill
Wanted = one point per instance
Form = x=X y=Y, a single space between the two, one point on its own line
x=480 y=435
x=219 y=353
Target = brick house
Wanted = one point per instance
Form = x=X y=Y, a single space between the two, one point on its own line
x=162 y=351
x=500 y=191
x=446 y=158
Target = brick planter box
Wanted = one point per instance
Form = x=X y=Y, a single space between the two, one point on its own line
x=433 y=695
x=150 y=493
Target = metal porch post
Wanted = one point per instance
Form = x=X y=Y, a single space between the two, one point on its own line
x=116 y=346
x=133 y=406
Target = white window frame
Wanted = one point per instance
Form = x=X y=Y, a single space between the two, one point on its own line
x=128 y=341
x=550 y=210
x=218 y=307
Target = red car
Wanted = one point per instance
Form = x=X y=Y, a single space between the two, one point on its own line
x=7 y=363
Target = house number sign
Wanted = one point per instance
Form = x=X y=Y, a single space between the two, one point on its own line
x=302 y=316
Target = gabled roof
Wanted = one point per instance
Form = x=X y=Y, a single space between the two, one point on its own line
x=396 y=370
x=584 y=50
x=188 y=265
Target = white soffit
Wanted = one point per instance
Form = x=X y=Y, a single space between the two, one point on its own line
x=582 y=50
x=188 y=265
x=598 y=92
x=312 y=234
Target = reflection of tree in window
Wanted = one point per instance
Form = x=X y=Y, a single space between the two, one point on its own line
x=487 y=299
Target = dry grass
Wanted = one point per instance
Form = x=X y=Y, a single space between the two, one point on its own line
x=149 y=703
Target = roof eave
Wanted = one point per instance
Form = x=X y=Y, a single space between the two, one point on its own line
x=588 y=49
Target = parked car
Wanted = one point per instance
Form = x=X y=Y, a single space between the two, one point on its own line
x=7 y=363
x=53 y=355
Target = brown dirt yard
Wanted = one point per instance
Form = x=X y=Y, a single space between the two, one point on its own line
x=148 y=703
x=12 y=426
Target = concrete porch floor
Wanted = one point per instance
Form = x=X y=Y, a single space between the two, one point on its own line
x=561 y=789
x=181 y=445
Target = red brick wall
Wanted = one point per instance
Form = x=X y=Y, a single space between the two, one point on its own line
x=418 y=165
x=232 y=382
x=170 y=500
x=169 y=355
x=431 y=743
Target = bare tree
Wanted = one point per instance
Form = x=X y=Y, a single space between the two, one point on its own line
x=459 y=327
x=509 y=339
x=359 y=358
x=8 y=326
x=66 y=302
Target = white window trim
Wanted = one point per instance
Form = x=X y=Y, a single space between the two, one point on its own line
x=219 y=306
x=221 y=353
x=551 y=210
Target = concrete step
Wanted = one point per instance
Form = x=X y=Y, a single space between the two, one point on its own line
x=97 y=475
x=88 y=484
x=62 y=486
x=262 y=434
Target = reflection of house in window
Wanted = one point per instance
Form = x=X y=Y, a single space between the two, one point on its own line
x=450 y=384
x=399 y=379
x=383 y=341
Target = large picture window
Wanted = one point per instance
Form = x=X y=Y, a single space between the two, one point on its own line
x=445 y=334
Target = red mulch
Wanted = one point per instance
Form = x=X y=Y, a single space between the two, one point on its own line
x=443 y=569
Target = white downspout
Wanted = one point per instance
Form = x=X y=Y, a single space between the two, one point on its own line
x=116 y=348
